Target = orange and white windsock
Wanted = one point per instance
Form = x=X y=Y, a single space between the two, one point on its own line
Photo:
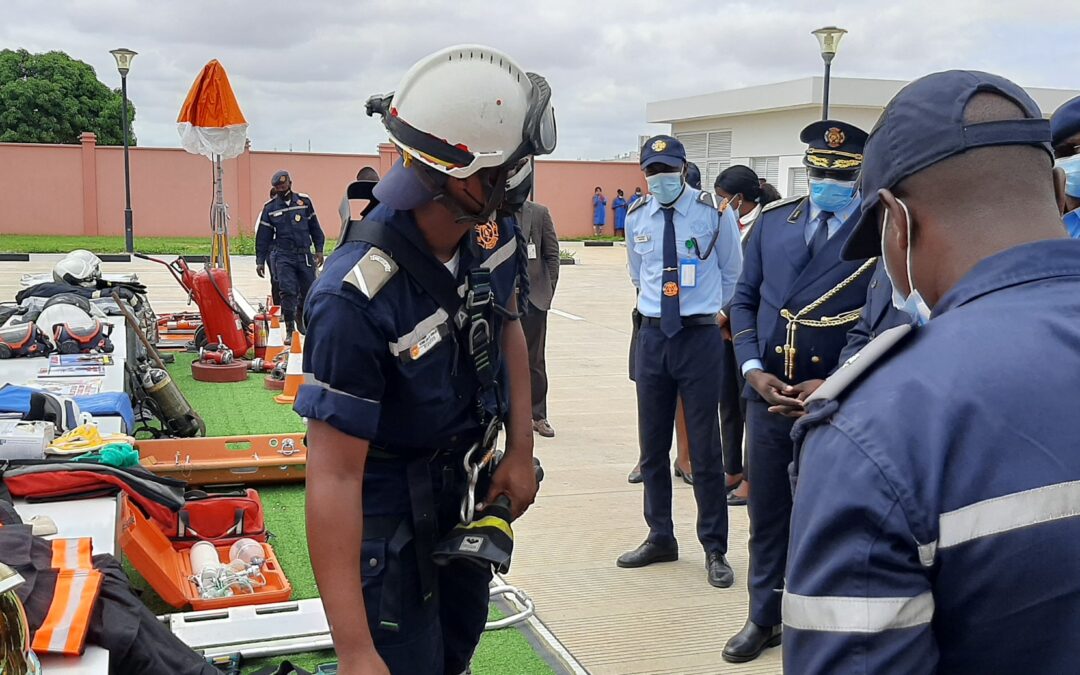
x=210 y=121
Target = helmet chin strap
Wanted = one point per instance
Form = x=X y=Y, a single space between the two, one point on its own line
x=460 y=210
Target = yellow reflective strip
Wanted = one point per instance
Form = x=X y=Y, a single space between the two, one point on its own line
x=492 y=521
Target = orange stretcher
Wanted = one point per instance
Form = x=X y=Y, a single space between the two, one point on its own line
x=168 y=571
x=269 y=458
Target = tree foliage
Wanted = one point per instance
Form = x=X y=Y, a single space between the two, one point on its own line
x=52 y=98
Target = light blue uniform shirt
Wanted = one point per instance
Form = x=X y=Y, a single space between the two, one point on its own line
x=835 y=222
x=715 y=276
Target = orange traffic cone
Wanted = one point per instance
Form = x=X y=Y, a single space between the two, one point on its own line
x=294 y=372
x=275 y=341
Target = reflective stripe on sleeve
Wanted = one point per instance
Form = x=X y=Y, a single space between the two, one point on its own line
x=839 y=614
x=311 y=380
x=72 y=554
x=1003 y=514
x=65 y=625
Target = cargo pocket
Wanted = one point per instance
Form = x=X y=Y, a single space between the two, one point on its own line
x=372 y=578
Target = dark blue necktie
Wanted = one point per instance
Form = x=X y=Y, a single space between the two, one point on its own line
x=821 y=234
x=670 y=317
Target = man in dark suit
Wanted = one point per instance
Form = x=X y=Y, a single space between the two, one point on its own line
x=542 y=248
x=790 y=315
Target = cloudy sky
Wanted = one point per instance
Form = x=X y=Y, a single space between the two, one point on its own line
x=302 y=70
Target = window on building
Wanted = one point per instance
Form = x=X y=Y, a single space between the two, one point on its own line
x=767 y=168
x=710 y=150
x=797 y=183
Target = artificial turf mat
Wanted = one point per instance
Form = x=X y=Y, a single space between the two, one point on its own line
x=248 y=408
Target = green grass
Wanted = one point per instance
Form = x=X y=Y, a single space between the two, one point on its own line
x=247 y=408
x=239 y=244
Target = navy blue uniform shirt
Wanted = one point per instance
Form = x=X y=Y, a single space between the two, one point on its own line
x=936 y=524
x=288 y=225
x=380 y=362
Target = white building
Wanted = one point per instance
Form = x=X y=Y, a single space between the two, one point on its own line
x=759 y=126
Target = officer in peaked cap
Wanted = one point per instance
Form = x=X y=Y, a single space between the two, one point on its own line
x=793 y=306
x=684 y=258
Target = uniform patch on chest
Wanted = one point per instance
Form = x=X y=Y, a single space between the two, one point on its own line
x=426 y=344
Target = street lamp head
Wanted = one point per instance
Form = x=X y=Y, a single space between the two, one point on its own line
x=123 y=59
x=829 y=39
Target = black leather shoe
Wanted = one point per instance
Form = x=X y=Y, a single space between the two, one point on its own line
x=720 y=573
x=731 y=487
x=647 y=554
x=687 y=476
x=635 y=475
x=748 y=643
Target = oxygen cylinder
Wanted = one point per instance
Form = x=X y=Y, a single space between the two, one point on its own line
x=176 y=412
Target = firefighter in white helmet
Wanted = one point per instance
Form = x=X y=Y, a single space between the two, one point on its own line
x=413 y=361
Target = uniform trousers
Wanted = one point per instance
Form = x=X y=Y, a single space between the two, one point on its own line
x=686 y=365
x=769 y=453
x=294 y=272
x=440 y=635
x=732 y=411
x=534 y=324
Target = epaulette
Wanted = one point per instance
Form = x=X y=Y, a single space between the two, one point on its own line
x=638 y=204
x=858 y=364
x=373 y=272
x=708 y=199
x=781 y=202
x=303 y=195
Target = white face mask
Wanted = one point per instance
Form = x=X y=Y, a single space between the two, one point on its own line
x=913 y=304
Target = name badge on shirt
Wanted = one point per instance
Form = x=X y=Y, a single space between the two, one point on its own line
x=532 y=251
x=425 y=345
x=688 y=273
x=641 y=238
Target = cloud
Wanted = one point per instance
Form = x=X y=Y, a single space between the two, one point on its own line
x=302 y=71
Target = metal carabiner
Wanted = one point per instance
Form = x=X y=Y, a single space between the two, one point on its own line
x=468 y=500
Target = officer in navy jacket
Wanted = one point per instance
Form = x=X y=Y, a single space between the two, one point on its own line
x=948 y=541
x=792 y=309
x=878 y=315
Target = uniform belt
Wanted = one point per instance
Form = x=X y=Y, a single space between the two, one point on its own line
x=687 y=321
x=404 y=454
x=292 y=249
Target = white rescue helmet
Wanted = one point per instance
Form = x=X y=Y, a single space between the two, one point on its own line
x=467 y=108
x=76 y=271
x=88 y=256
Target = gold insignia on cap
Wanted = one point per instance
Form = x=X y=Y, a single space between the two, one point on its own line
x=659 y=145
x=834 y=137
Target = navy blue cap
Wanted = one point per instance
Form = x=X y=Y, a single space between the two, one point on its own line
x=1065 y=122
x=832 y=145
x=280 y=177
x=402 y=189
x=693 y=175
x=665 y=150
x=923 y=125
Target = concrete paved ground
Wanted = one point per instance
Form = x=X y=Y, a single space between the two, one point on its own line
x=661 y=619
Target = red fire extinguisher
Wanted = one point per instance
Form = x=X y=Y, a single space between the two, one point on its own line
x=262 y=332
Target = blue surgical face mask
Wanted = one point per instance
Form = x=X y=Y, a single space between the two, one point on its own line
x=1071 y=167
x=913 y=304
x=829 y=194
x=666 y=187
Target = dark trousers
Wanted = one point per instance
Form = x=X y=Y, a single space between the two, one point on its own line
x=770 y=452
x=732 y=411
x=686 y=365
x=440 y=635
x=534 y=324
x=294 y=272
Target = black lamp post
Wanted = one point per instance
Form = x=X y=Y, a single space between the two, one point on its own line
x=829 y=39
x=123 y=64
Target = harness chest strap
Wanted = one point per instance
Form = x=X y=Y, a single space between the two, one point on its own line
x=798 y=319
